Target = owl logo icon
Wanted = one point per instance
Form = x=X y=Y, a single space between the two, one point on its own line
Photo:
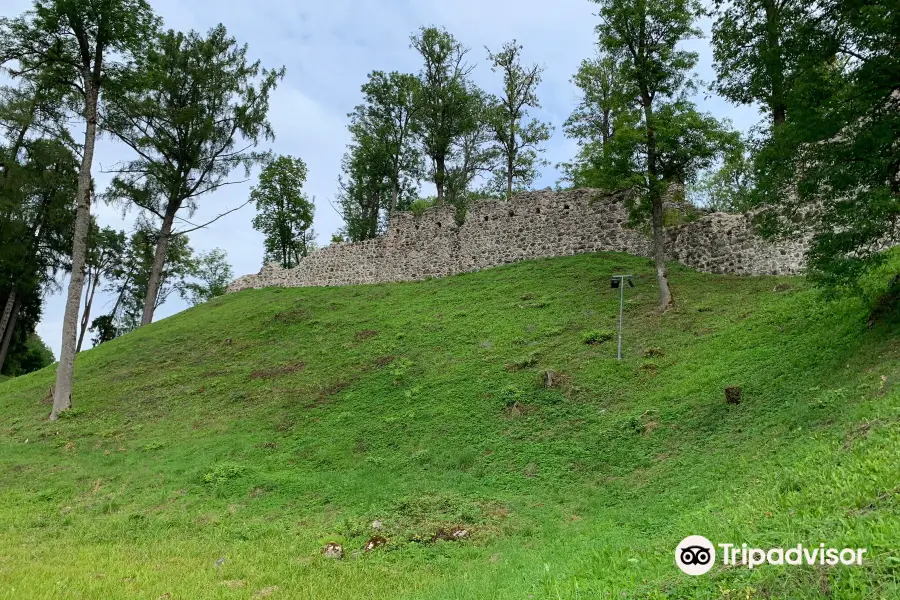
x=695 y=555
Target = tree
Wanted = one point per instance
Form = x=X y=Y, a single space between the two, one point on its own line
x=29 y=113
x=363 y=197
x=131 y=278
x=728 y=187
x=517 y=142
x=660 y=138
x=471 y=154
x=104 y=329
x=284 y=212
x=15 y=342
x=832 y=171
x=36 y=227
x=757 y=46
x=73 y=41
x=443 y=112
x=385 y=119
x=29 y=356
x=191 y=109
x=106 y=248
x=213 y=274
x=603 y=94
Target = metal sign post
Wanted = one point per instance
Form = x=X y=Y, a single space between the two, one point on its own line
x=618 y=281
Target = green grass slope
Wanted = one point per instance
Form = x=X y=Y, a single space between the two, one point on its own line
x=213 y=454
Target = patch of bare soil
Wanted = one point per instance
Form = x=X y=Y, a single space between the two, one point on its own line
x=277 y=371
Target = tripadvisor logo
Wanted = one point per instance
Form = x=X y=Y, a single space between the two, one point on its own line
x=696 y=555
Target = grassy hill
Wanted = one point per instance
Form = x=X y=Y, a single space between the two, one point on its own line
x=213 y=454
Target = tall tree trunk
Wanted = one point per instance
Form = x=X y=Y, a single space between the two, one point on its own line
x=395 y=192
x=7 y=314
x=62 y=396
x=159 y=262
x=656 y=203
x=659 y=254
x=86 y=316
x=440 y=172
x=509 y=178
x=510 y=158
x=775 y=62
x=121 y=295
x=10 y=330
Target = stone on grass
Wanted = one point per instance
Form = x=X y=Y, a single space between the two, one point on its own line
x=333 y=550
x=733 y=394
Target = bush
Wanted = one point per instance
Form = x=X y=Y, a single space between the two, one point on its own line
x=420 y=206
x=595 y=336
x=27 y=356
x=881 y=288
x=223 y=473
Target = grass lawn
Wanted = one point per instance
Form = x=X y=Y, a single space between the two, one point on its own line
x=214 y=453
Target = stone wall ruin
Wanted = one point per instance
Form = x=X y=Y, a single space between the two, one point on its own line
x=533 y=225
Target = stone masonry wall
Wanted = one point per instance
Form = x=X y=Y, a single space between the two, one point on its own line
x=533 y=225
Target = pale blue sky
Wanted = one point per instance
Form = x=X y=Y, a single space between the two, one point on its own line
x=328 y=49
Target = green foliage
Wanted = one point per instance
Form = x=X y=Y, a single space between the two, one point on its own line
x=36 y=193
x=207 y=90
x=192 y=109
x=37 y=184
x=212 y=273
x=832 y=169
x=447 y=104
x=758 y=47
x=879 y=287
x=383 y=165
x=471 y=154
x=130 y=280
x=595 y=336
x=103 y=329
x=419 y=206
x=727 y=187
x=223 y=473
x=657 y=141
x=105 y=252
x=33 y=356
x=591 y=123
x=579 y=490
x=516 y=140
x=284 y=214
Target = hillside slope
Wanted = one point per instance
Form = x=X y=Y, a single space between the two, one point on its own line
x=213 y=454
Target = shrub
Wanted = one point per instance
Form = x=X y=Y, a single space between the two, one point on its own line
x=223 y=473
x=419 y=206
x=596 y=336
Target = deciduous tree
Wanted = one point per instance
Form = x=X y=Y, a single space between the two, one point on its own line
x=106 y=248
x=192 y=109
x=284 y=213
x=758 y=47
x=832 y=171
x=80 y=44
x=659 y=138
x=443 y=103
x=603 y=95
x=516 y=139
x=36 y=227
x=211 y=276
x=132 y=277
x=385 y=120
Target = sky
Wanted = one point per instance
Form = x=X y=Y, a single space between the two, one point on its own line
x=328 y=48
